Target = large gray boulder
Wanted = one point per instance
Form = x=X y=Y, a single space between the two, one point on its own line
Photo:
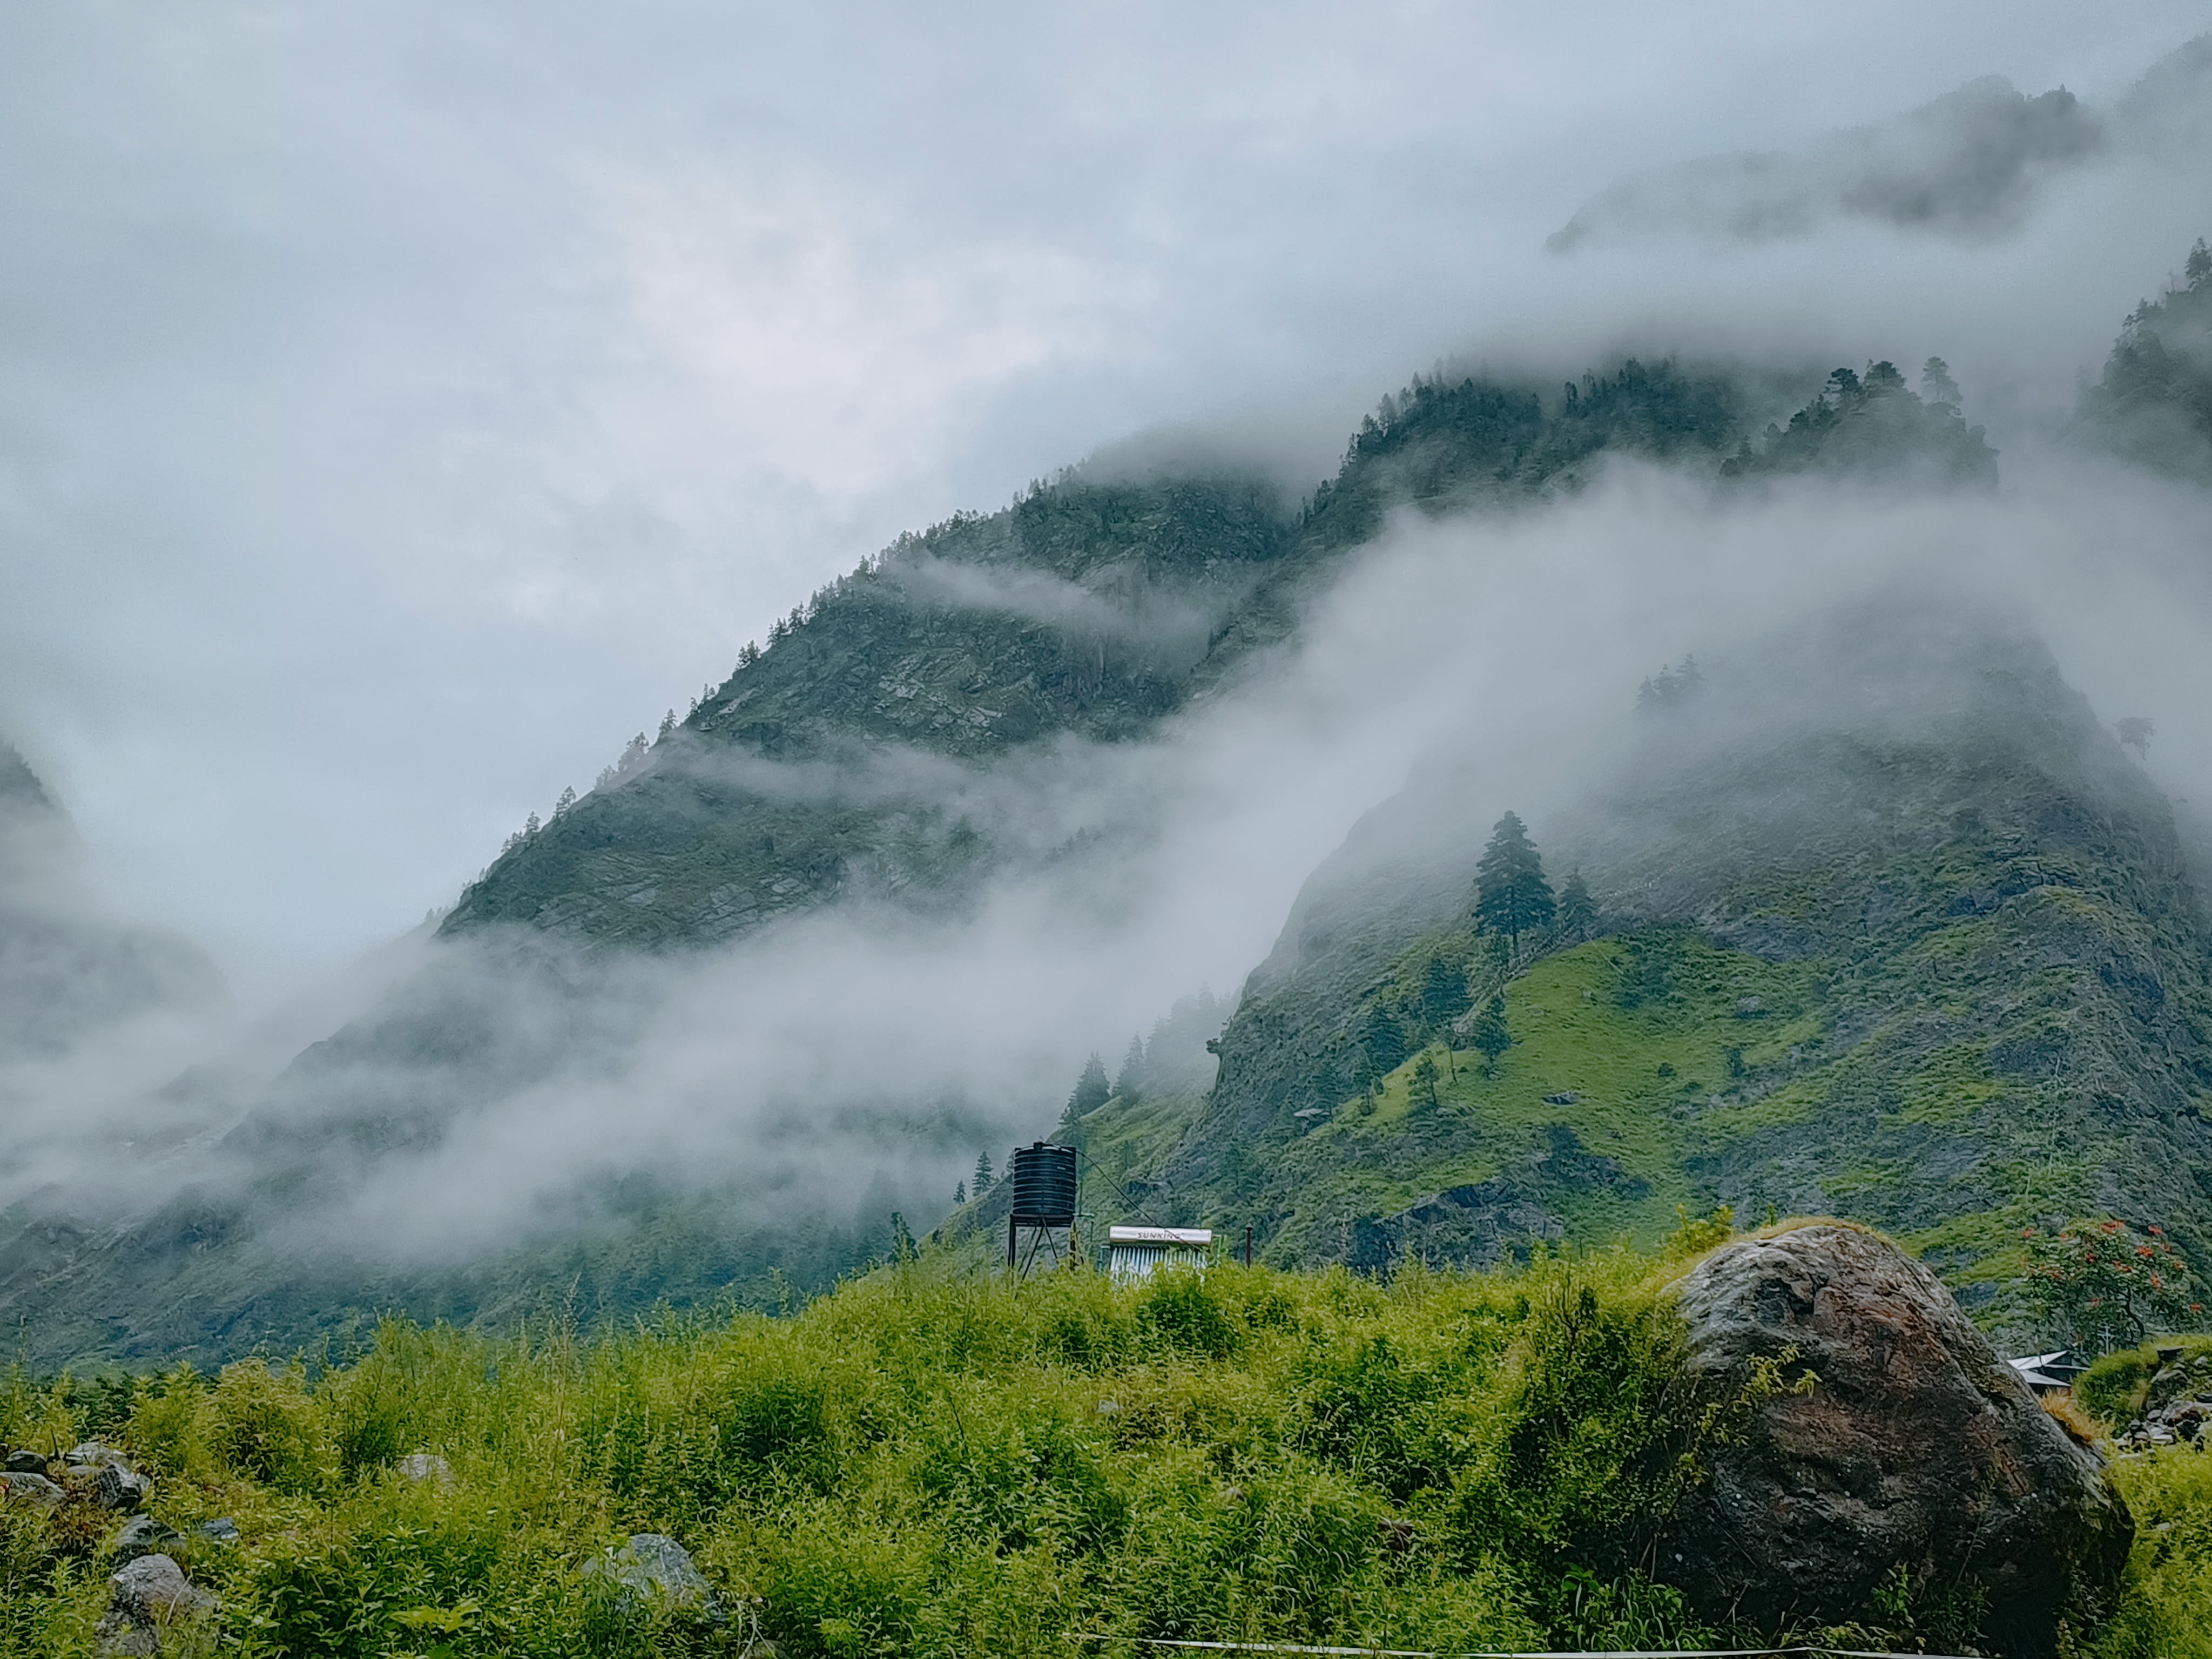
x=1917 y=1461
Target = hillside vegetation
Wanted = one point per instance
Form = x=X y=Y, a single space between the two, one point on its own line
x=930 y=1463
x=1890 y=927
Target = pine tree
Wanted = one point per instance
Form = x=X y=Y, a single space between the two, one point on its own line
x=1578 y=910
x=1443 y=991
x=1091 y=1091
x=1937 y=388
x=1129 y=1081
x=982 y=1182
x=567 y=799
x=960 y=1192
x=1511 y=895
x=1383 y=1042
x=1424 y=1078
x=1491 y=1033
x=667 y=723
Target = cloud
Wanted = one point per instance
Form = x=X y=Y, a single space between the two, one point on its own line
x=398 y=409
x=863 y=1056
x=401 y=407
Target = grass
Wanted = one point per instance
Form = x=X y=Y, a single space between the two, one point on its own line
x=1648 y=1034
x=930 y=1461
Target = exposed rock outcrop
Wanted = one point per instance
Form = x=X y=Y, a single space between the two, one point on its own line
x=1913 y=1470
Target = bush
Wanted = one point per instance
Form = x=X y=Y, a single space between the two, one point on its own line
x=264 y=1425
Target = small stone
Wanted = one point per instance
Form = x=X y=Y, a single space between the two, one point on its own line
x=655 y=1570
x=144 y=1595
x=1564 y=1098
x=24 y=1462
x=92 y=1455
x=115 y=1486
x=143 y=1535
x=221 y=1530
x=1750 y=1007
x=33 y=1489
x=155 y=1586
x=426 y=1466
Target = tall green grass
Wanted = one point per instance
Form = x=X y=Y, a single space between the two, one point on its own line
x=933 y=1462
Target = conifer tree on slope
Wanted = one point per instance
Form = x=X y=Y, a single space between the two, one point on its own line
x=1091 y=1091
x=1577 y=912
x=1129 y=1082
x=1511 y=895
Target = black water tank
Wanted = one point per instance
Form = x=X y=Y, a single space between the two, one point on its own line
x=1044 y=1185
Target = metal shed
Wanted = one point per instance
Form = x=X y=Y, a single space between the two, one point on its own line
x=2047 y=1373
x=1134 y=1252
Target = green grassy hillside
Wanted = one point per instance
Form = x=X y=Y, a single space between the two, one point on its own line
x=1928 y=955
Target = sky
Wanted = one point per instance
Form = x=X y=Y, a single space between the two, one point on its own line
x=402 y=405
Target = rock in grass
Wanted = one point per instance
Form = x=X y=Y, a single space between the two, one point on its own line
x=146 y=1596
x=221 y=1530
x=23 y=1462
x=1917 y=1472
x=32 y=1489
x=656 y=1571
x=117 y=1486
x=142 y=1534
x=417 y=1467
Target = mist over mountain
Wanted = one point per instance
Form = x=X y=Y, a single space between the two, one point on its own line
x=1886 y=923
x=72 y=972
x=1971 y=165
x=1882 y=901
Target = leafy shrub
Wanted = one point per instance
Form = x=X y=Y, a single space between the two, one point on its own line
x=1180 y=1312
x=2106 y=1281
x=263 y=1424
x=166 y=1428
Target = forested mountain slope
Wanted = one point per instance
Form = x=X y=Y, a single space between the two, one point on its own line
x=833 y=763
x=2153 y=404
x=1888 y=926
x=881 y=750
